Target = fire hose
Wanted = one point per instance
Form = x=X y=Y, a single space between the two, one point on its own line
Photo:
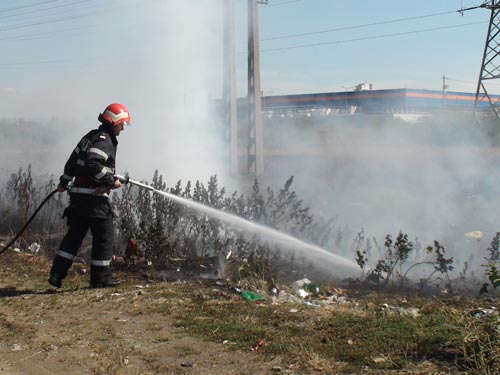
x=122 y=180
x=220 y=215
x=128 y=180
x=28 y=222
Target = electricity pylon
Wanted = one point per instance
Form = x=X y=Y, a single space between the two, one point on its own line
x=490 y=65
x=229 y=84
x=255 y=131
x=254 y=160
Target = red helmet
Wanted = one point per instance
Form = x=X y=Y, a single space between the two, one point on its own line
x=115 y=114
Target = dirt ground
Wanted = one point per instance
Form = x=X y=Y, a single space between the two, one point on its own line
x=131 y=329
x=78 y=330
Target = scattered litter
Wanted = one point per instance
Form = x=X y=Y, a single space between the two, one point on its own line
x=251 y=296
x=257 y=345
x=302 y=293
x=475 y=235
x=300 y=283
x=133 y=250
x=274 y=290
x=17 y=347
x=288 y=297
x=187 y=364
x=276 y=368
x=312 y=289
x=484 y=313
x=34 y=247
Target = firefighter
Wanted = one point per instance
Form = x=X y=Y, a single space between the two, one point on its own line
x=91 y=167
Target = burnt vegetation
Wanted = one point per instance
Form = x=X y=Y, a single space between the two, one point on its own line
x=171 y=236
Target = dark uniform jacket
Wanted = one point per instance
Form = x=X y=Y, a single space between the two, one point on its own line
x=92 y=165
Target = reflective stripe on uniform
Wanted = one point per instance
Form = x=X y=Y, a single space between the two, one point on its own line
x=64 y=254
x=67 y=177
x=99 y=152
x=103 y=172
x=102 y=263
x=82 y=190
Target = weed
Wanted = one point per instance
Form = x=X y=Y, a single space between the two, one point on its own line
x=167 y=230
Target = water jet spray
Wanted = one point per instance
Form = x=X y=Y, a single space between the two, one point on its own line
x=321 y=257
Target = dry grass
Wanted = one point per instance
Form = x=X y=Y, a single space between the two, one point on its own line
x=127 y=329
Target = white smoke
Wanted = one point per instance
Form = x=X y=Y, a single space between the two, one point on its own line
x=434 y=180
x=162 y=59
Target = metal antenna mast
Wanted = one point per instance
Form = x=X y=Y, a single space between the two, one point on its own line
x=490 y=65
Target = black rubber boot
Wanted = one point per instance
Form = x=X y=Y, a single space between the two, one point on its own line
x=55 y=280
x=59 y=271
x=101 y=277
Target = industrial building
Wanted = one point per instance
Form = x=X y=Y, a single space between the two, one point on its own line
x=364 y=101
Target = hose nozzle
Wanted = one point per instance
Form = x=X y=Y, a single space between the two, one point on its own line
x=122 y=179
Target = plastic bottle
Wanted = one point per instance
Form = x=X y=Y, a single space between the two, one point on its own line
x=251 y=296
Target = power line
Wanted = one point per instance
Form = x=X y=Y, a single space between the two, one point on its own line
x=46 y=35
x=96 y=9
x=68 y=18
x=459 y=80
x=470 y=82
x=358 y=26
x=38 y=62
x=371 y=37
x=282 y=3
x=42 y=10
x=28 y=6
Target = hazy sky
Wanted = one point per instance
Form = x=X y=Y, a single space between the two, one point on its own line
x=307 y=45
x=68 y=59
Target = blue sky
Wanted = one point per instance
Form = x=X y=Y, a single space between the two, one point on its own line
x=416 y=58
x=76 y=44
